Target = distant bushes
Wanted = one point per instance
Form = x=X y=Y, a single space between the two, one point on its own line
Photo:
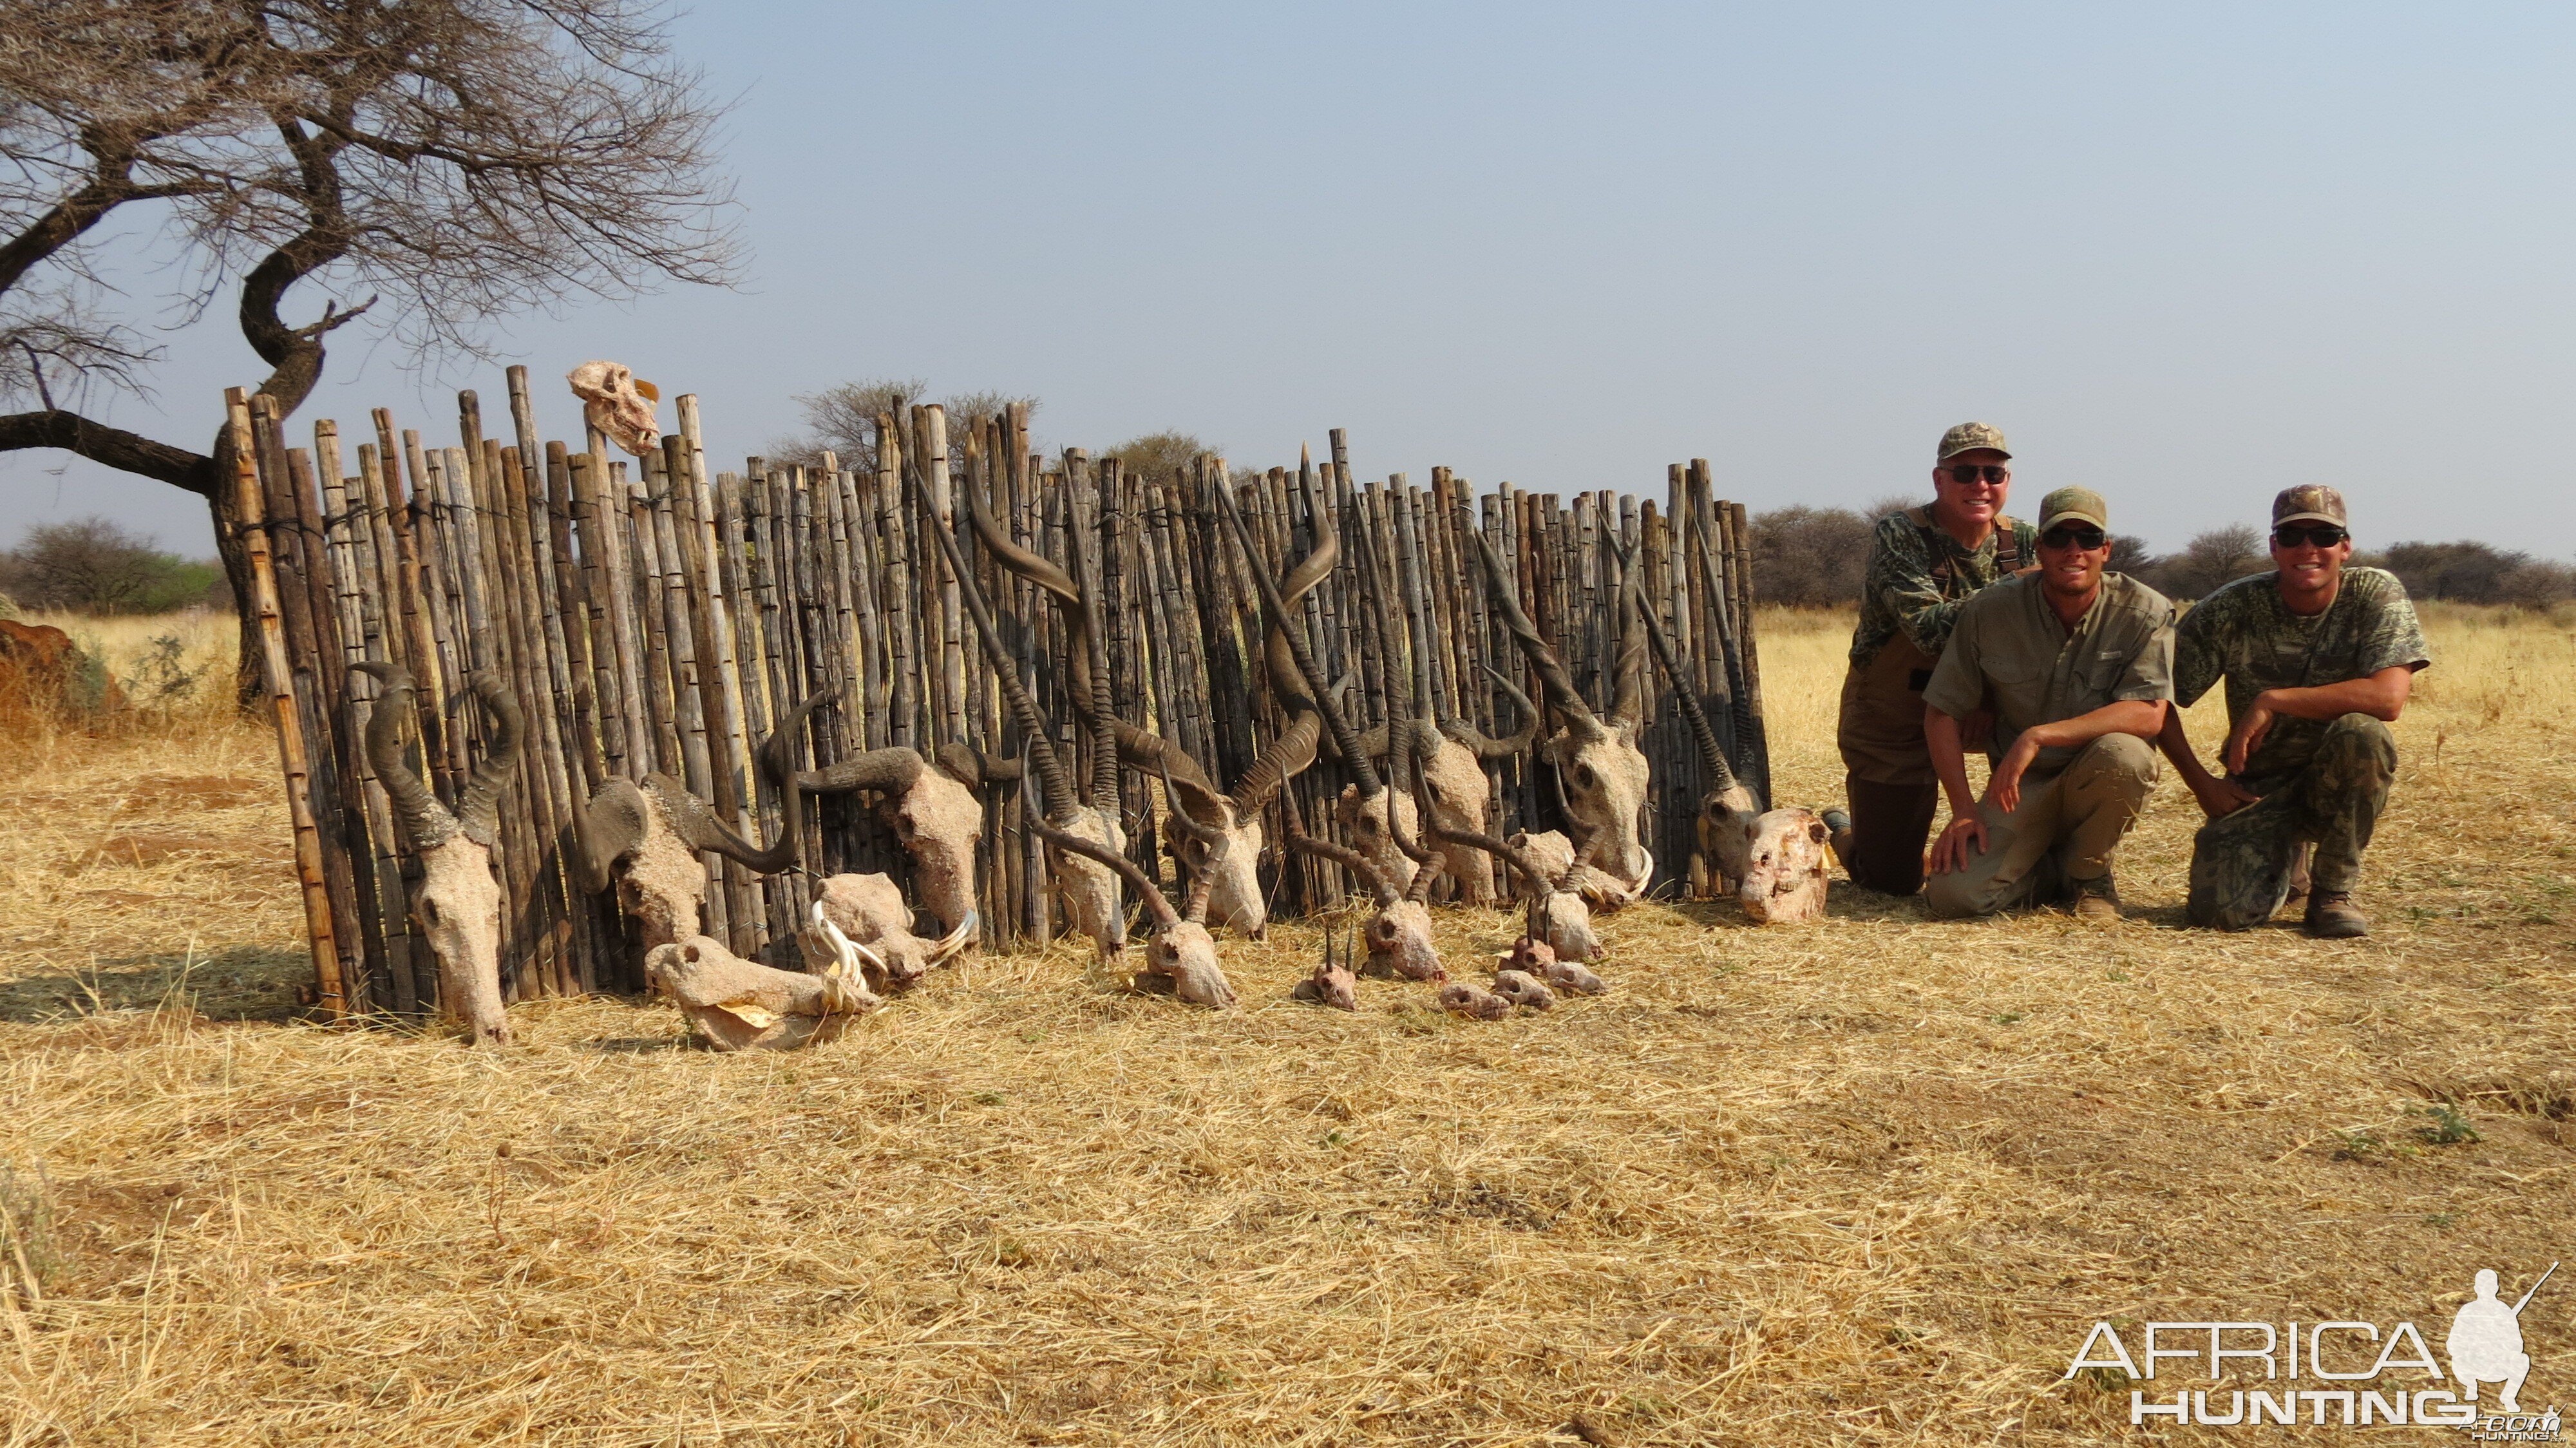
x=91 y=565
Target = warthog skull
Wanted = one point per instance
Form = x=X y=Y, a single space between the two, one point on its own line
x=618 y=404
x=866 y=914
x=739 y=1005
x=457 y=903
x=1785 y=881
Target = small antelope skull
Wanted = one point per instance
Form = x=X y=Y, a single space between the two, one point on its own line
x=1333 y=983
x=1523 y=989
x=457 y=903
x=619 y=404
x=1472 y=1001
x=1559 y=921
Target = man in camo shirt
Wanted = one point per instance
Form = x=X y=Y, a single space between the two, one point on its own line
x=1923 y=563
x=2319 y=660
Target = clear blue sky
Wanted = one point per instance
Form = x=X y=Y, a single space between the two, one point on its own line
x=2186 y=255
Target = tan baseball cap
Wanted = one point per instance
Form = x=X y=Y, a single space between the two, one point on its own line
x=2074 y=505
x=1968 y=437
x=2308 y=503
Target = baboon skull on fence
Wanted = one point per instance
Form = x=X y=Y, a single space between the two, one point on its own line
x=618 y=404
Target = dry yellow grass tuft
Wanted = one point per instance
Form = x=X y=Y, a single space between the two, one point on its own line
x=1868 y=1181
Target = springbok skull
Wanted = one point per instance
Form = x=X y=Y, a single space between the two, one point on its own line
x=1180 y=951
x=457 y=904
x=657 y=829
x=1603 y=771
x=1333 y=983
x=740 y=1005
x=1546 y=866
x=933 y=809
x=619 y=404
x=1399 y=934
x=1450 y=755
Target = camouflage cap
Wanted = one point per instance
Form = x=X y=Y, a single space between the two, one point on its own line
x=2078 y=505
x=2306 y=503
x=1968 y=437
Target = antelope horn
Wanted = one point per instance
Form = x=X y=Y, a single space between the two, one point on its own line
x=1426 y=865
x=1553 y=680
x=1031 y=566
x=478 y=811
x=1195 y=910
x=1349 y=859
x=1628 y=705
x=1055 y=784
x=1520 y=861
x=424 y=822
x=700 y=826
x=1174 y=813
x=955 y=940
x=1344 y=738
x=1165 y=917
x=971 y=766
x=1288 y=756
x=1687 y=697
x=1140 y=750
x=1492 y=750
x=890 y=771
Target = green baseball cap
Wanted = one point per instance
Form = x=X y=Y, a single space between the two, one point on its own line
x=2308 y=503
x=2079 y=505
x=1968 y=437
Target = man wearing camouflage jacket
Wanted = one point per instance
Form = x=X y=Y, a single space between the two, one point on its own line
x=2319 y=660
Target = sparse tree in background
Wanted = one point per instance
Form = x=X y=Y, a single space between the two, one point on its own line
x=2129 y=555
x=436 y=164
x=91 y=565
x=1158 y=455
x=1810 y=557
x=842 y=420
x=2211 y=561
x=2466 y=572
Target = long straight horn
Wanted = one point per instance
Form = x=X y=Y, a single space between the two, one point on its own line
x=1344 y=737
x=1712 y=756
x=1552 y=677
x=1628 y=705
x=1491 y=750
x=423 y=821
x=478 y=811
x=1165 y=917
x=1055 y=785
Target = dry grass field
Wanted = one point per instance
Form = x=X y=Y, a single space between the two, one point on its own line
x=1865 y=1182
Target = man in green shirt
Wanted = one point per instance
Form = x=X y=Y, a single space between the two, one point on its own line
x=2319 y=660
x=2077 y=665
x=1923 y=564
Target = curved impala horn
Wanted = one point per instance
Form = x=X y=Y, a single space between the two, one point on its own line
x=1054 y=783
x=1345 y=738
x=1349 y=859
x=1165 y=917
x=1491 y=750
x=1426 y=865
x=1553 y=680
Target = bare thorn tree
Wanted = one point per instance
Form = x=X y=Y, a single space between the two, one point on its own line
x=445 y=162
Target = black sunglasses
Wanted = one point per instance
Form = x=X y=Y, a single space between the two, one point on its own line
x=1968 y=474
x=2323 y=535
x=2087 y=539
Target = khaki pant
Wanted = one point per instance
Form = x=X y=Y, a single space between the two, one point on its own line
x=1889 y=780
x=2066 y=828
x=2241 y=865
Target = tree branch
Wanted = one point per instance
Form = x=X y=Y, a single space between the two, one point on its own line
x=113 y=446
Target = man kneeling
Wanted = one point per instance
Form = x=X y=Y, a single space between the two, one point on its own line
x=2319 y=660
x=2077 y=665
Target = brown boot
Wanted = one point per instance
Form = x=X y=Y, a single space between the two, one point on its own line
x=2331 y=916
x=2096 y=899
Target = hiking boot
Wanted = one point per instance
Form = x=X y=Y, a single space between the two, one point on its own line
x=1840 y=836
x=2096 y=899
x=2297 y=899
x=2331 y=916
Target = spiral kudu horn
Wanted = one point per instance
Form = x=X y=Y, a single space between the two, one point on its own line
x=1553 y=680
x=423 y=821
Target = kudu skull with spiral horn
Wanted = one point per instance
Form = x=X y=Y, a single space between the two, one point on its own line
x=457 y=903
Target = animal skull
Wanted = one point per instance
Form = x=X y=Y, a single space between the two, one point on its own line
x=1332 y=984
x=738 y=1005
x=619 y=404
x=869 y=912
x=457 y=903
x=1180 y=952
x=1474 y=1002
x=933 y=810
x=1785 y=880
x=1523 y=989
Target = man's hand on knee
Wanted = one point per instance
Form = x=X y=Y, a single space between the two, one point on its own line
x=1963 y=841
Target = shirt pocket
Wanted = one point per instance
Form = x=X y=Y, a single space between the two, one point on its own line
x=2101 y=675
